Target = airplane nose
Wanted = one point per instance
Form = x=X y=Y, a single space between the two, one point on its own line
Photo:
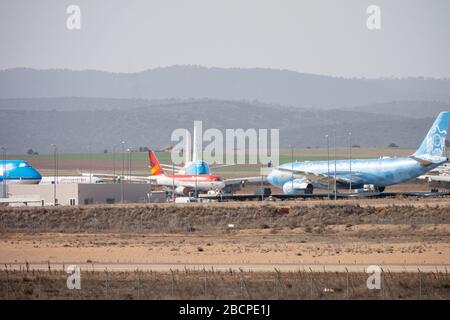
x=31 y=173
x=37 y=174
x=271 y=177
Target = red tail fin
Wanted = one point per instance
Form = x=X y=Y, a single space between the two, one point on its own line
x=155 y=167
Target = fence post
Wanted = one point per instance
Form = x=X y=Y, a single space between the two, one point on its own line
x=173 y=285
x=347 y=293
x=206 y=280
x=138 y=285
x=420 y=284
x=39 y=287
x=278 y=282
x=106 y=284
x=7 y=285
x=242 y=286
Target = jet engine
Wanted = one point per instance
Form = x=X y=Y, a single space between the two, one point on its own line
x=183 y=191
x=298 y=187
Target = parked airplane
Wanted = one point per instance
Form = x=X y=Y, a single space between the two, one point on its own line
x=438 y=178
x=303 y=177
x=197 y=177
x=194 y=177
x=85 y=178
x=18 y=171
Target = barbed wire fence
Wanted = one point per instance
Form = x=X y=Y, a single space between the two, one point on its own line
x=26 y=283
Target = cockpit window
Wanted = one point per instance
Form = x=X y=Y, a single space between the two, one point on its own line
x=23 y=165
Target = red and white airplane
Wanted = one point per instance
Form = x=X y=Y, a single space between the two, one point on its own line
x=196 y=177
x=193 y=178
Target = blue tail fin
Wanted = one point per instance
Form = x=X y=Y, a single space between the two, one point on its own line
x=433 y=146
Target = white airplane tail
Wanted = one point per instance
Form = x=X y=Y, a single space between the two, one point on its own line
x=433 y=148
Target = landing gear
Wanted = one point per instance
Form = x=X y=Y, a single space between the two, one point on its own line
x=309 y=189
x=379 y=188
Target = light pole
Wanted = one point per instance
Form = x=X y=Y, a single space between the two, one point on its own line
x=4 y=172
x=328 y=162
x=55 y=173
x=114 y=162
x=129 y=164
x=123 y=171
x=350 y=156
x=292 y=166
x=196 y=190
x=262 y=184
x=173 y=181
x=90 y=164
x=335 y=184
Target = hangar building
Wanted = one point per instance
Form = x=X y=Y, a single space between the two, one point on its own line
x=84 y=193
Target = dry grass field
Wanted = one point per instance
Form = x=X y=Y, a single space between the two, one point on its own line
x=211 y=284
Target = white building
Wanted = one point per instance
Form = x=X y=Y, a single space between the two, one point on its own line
x=83 y=194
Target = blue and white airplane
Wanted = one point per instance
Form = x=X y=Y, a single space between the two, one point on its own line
x=303 y=177
x=18 y=171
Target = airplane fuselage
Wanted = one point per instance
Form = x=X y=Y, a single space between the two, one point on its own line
x=201 y=182
x=379 y=172
x=18 y=171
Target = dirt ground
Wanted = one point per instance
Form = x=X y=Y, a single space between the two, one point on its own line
x=396 y=232
x=347 y=245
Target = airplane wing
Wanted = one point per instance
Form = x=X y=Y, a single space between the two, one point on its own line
x=245 y=180
x=221 y=166
x=102 y=175
x=108 y=176
x=321 y=178
x=440 y=178
x=423 y=162
x=171 y=168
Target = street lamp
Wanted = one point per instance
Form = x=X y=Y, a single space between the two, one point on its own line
x=173 y=181
x=335 y=184
x=350 y=156
x=90 y=164
x=55 y=173
x=114 y=162
x=196 y=172
x=328 y=162
x=129 y=164
x=4 y=172
x=123 y=171
x=292 y=166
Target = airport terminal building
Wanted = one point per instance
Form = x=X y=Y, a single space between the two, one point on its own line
x=83 y=194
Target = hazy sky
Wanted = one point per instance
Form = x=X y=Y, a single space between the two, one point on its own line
x=323 y=37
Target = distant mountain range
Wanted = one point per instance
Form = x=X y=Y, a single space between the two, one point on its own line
x=77 y=109
x=192 y=82
x=74 y=124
